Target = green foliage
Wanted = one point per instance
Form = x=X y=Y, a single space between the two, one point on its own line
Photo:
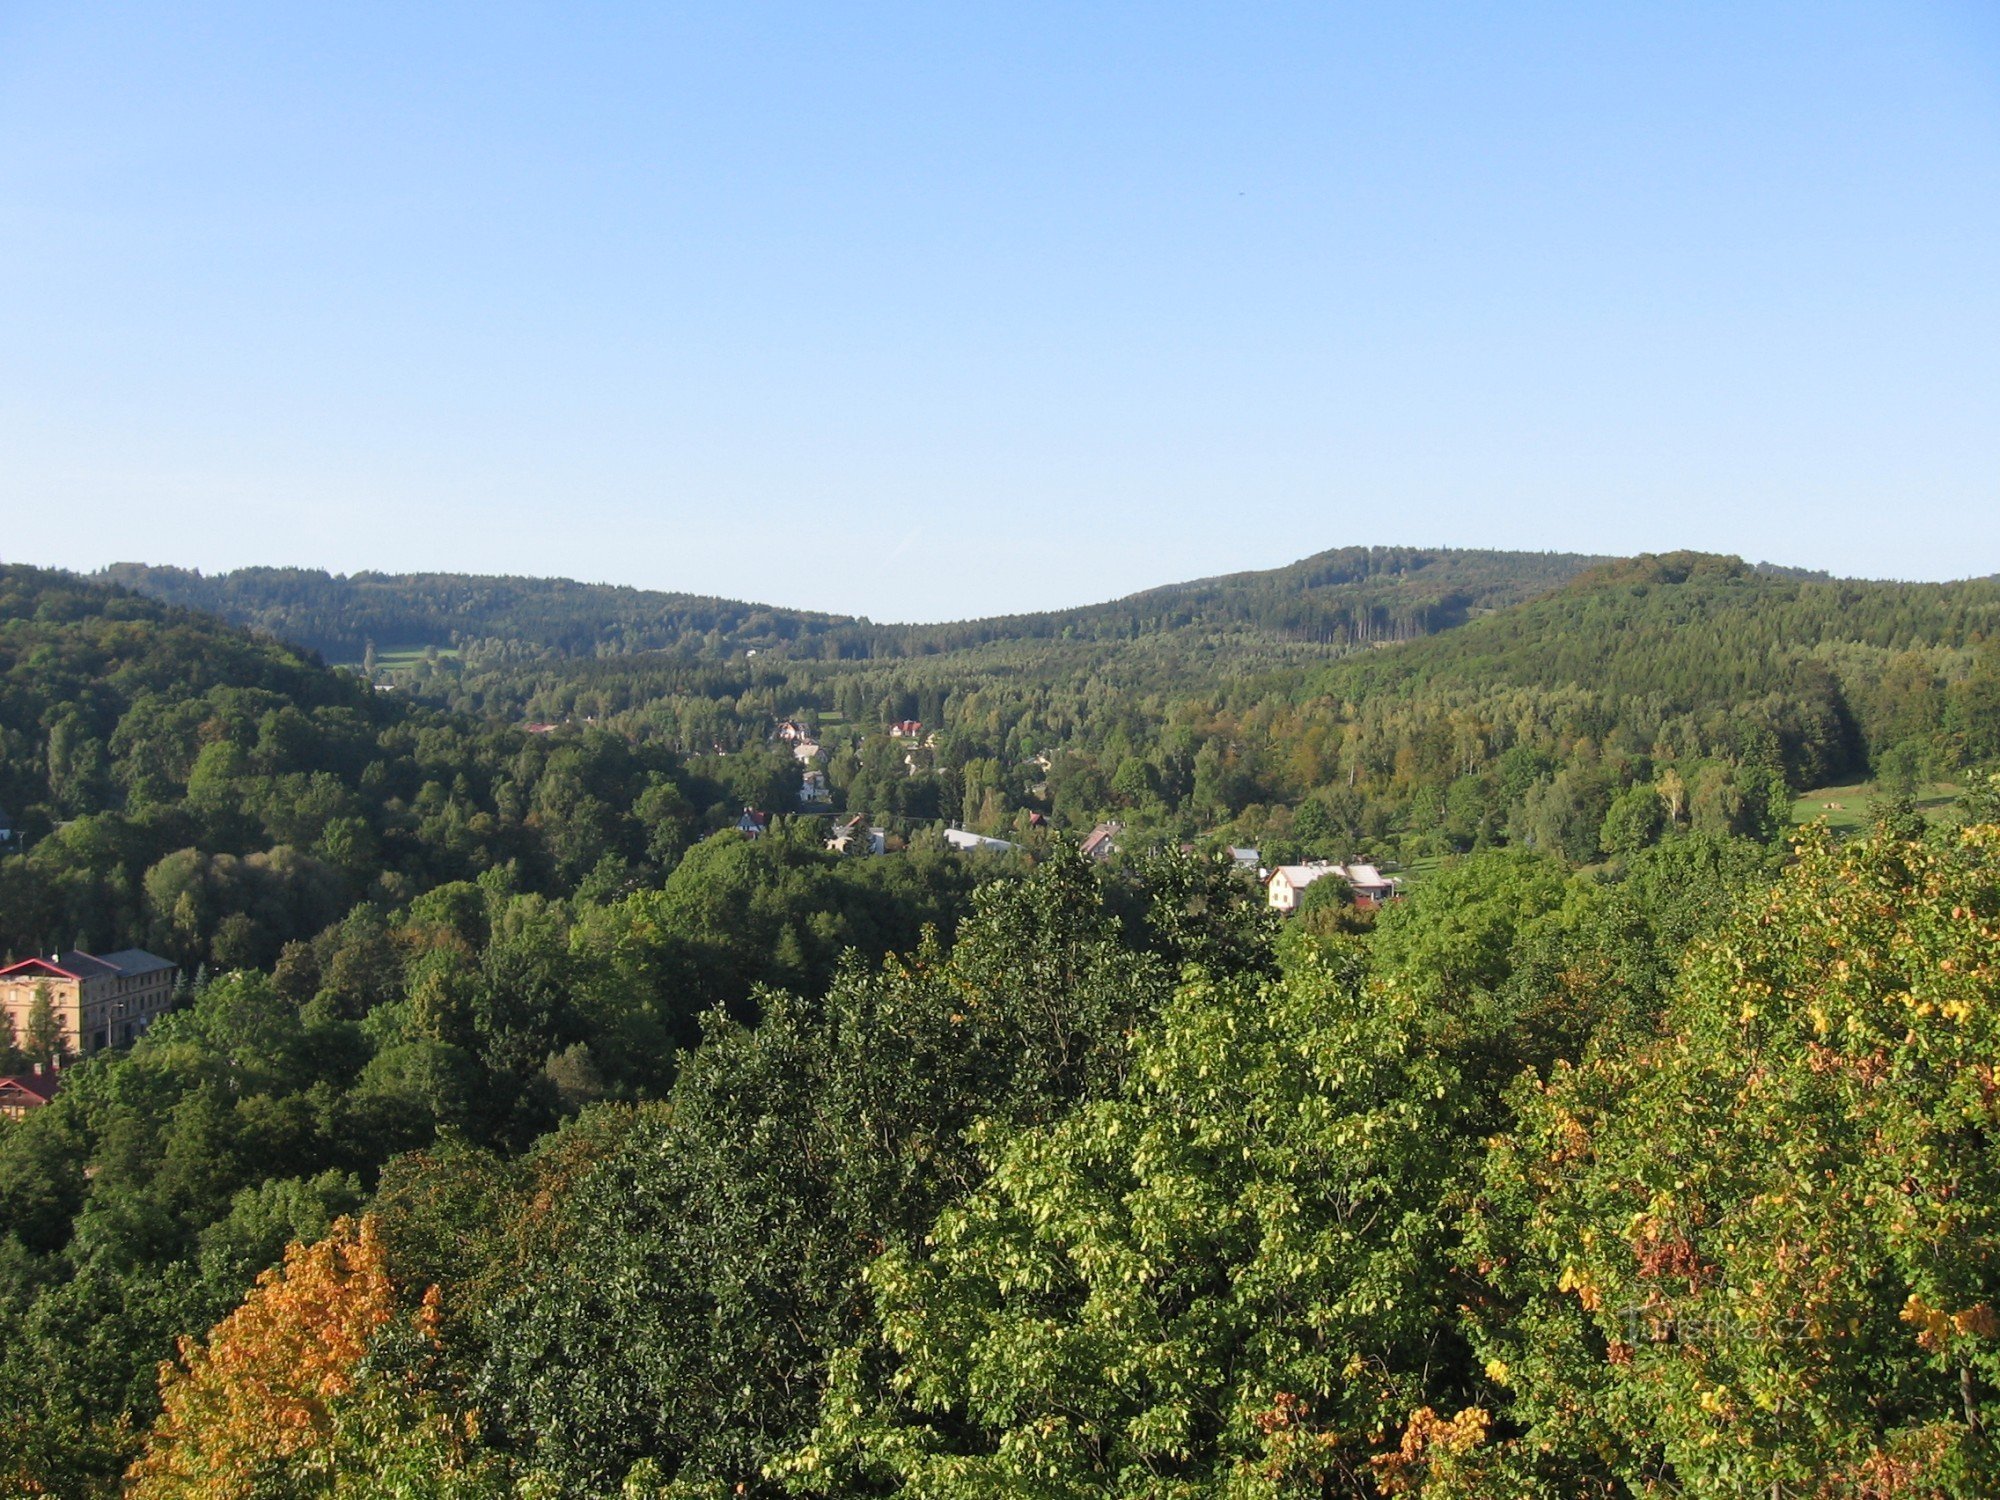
x=747 y=1204
x=1358 y=593
x=1757 y=1254
x=182 y=785
x=718 y=1197
x=144 y=1200
x=1228 y=1278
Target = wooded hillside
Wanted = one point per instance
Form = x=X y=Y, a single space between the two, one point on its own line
x=526 y=1128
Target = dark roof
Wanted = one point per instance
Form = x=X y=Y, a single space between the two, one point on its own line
x=42 y=1085
x=73 y=964
x=136 y=961
x=83 y=965
x=76 y=964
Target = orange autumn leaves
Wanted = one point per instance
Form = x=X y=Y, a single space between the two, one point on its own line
x=262 y=1392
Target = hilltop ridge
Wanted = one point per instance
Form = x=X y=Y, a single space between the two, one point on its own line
x=1349 y=595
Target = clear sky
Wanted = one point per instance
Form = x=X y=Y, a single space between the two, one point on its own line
x=926 y=311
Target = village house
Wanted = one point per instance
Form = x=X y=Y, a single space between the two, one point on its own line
x=753 y=823
x=1288 y=883
x=806 y=751
x=1102 y=841
x=1371 y=886
x=791 y=731
x=99 y=1001
x=857 y=831
x=21 y=1093
x=814 y=789
x=907 y=729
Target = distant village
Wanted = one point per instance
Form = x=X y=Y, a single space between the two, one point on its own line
x=1284 y=885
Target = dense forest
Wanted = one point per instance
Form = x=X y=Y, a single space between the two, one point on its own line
x=1685 y=691
x=526 y=1127
x=1354 y=595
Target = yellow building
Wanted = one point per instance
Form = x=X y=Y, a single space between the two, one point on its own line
x=101 y=1001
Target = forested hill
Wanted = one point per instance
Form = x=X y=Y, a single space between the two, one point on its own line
x=1348 y=596
x=1669 y=622
x=1839 y=671
x=75 y=659
x=338 y=615
x=1353 y=595
x=173 y=782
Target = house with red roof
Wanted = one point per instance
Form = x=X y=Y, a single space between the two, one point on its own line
x=21 y=1093
x=99 y=1000
x=1102 y=841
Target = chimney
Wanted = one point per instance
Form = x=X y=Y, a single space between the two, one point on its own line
x=38 y=1070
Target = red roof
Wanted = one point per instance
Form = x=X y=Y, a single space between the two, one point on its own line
x=1103 y=839
x=76 y=964
x=63 y=966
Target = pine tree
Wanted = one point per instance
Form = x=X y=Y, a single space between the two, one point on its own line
x=46 y=1043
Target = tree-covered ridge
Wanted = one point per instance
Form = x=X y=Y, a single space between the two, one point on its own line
x=1680 y=691
x=339 y=614
x=1349 y=596
x=73 y=658
x=178 y=784
x=1684 y=627
x=1344 y=597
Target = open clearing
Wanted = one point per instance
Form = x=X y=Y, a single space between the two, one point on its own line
x=1849 y=809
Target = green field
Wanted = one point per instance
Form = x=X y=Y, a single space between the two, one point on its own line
x=400 y=658
x=1849 y=809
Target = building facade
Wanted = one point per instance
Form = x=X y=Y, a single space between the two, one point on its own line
x=99 y=1000
x=1288 y=883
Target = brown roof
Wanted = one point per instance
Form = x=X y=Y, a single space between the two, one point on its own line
x=1103 y=838
x=41 y=1087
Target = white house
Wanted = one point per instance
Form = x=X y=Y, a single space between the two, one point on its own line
x=845 y=835
x=1371 y=886
x=1288 y=883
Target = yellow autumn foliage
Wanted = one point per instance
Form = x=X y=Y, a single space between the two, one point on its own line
x=260 y=1391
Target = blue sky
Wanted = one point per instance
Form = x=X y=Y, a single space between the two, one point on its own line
x=932 y=311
